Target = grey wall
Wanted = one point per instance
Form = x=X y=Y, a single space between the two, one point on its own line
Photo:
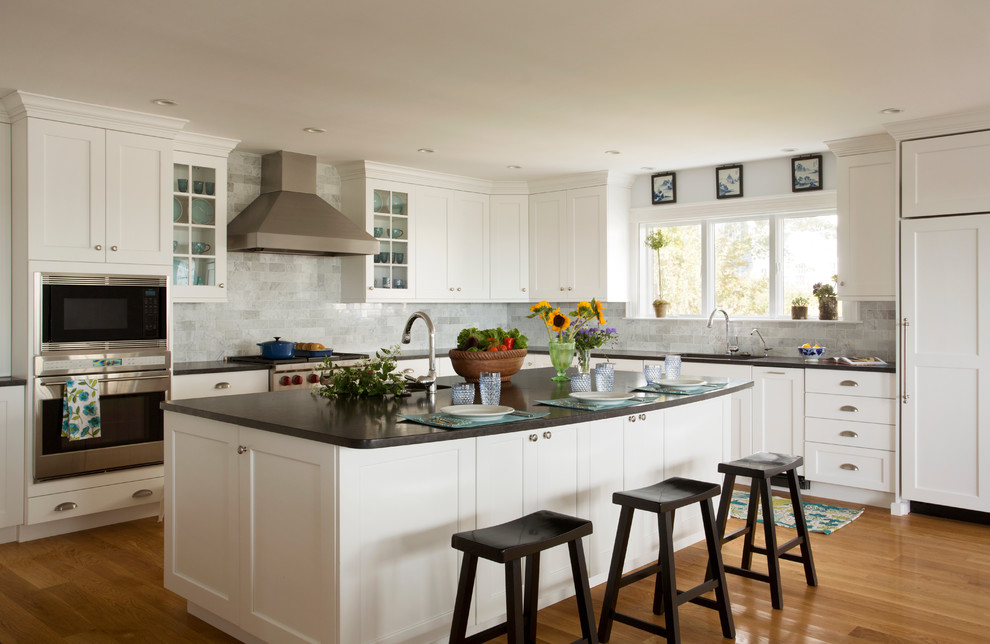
x=298 y=299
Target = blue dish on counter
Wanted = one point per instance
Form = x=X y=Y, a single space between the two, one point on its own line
x=812 y=352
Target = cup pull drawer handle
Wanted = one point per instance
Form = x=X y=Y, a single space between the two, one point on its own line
x=140 y=494
x=848 y=408
x=849 y=466
x=848 y=383
x=222 y=385
x=68 y=505
x=849 y=434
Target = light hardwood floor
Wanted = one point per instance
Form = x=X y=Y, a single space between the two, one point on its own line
x=882 y=579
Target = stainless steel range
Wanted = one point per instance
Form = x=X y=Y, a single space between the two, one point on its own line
x=298 y=372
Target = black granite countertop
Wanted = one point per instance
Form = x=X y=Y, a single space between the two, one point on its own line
x=372 y=422
x=11 y=381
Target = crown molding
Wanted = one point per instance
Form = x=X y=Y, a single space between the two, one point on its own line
x=20 y=105
x=204 y=144
x=941 y=125
x=350 y=170
x=742 y=207
x=862 y=145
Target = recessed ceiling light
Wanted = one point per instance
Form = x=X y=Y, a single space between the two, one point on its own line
x=647 y=168
x=513 y=167
x=612 y=152
x=426 y=150
x=166 y=102
x=314 y=130
x=788 y=149
x=891 y=110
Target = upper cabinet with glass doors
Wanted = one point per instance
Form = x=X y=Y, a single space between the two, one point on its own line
x=199 y=226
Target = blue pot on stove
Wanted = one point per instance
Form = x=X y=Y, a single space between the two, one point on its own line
x=277 y=349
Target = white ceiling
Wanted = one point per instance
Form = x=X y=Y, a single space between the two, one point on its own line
x=549 y=85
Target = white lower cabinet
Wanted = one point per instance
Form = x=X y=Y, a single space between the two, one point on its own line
x=250 y=528
x=222 y=383
x=536 y=360
x=741 y=433
x=12 y=433
x=778 y=411
x=643 y=458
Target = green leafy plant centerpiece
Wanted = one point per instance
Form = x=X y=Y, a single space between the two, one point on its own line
x=372 y=377
x=494 y=349
x=656 y=240
x=561 y=330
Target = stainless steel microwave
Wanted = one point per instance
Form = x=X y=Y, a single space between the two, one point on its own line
x=102 y=312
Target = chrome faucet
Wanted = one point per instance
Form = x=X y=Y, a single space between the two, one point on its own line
x=430 y=379
x=729 y=349
x=766 y=349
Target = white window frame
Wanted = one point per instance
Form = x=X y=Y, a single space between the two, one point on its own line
x=776 y=208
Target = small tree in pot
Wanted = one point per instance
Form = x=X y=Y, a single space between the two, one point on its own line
x=656 y=241
x=828 y=307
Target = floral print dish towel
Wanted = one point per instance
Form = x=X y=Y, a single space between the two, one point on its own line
x=81 y=409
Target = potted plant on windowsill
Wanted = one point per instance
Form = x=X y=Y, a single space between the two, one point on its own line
x=828 y=306
x=799 y=308
x=656 y=241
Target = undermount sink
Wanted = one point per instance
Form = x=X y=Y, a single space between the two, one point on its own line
x=722 y=356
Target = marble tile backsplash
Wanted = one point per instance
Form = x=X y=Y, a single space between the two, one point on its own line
x=298 y=299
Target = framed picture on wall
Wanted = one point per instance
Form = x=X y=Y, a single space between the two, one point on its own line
x=729 y=181
x=664 y=187
x=806 y=173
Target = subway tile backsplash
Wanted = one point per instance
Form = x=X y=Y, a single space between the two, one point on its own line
x=298 y=298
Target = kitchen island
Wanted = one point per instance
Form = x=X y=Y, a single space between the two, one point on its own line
x=294 y=518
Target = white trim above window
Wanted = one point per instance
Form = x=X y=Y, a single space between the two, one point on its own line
x=735 y=208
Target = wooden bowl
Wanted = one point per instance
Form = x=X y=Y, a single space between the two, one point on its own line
x=468 y=364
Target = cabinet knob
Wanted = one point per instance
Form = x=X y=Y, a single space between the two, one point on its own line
x=561 y=288
x=849 y=466
x=458 y=289
x=570 y=288
x=849 y=433
x=632 y=419
x=842 y=283
x=642 y=416
x=451 y=289
x=524 y=289
x=140 y=494
x=113 y=248
x=68 y=505
x=241 y=449
x=222 y=385
x=848 y=383
x=547 y=435
x=99 y=247
x=848 y=408
x=220 y=284
x=533 y=438
x=371 y=288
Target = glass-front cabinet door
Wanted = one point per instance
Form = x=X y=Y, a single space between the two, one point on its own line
x=199 y=227
x=389 y=213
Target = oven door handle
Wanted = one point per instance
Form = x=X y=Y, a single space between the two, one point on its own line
x=102 y=378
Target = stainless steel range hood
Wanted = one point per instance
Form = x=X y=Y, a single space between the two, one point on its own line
x=290 y=218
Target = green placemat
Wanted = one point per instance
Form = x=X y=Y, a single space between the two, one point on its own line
x=445 y=421
x=660 y=389
x=570 y=403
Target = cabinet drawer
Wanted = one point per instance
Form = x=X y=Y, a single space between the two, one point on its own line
x=850 y=383
x=221 y=383
x=94 y=499
x=871 y=469
x=838 y=432
x=850 y=408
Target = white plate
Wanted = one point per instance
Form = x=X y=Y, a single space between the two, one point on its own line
x=602 y=397
x=486 y=412
x=681 y=383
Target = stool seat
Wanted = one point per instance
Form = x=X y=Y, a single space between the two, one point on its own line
x=522 y=537
x=668 y=495
x=764 y=465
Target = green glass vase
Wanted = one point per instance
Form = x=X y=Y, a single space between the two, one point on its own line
x=561 y=355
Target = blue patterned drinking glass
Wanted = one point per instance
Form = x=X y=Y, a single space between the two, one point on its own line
x=581 y=382
x=604 y=376
x=653 y=373
x=462 y=393
x=490 y=383
x=672 y=367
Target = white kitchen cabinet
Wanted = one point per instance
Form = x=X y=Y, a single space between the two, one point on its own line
x=850 y=428
x=199 y=220
x=741 y=421
x=643 y=465
x=778 y=411
x=519 y=473
x=250 y=528
x=421 y=366
x=945 y=175
x=621 y=364
x=220 y=383
x=945 y=428
x=866 y=224
x=508 y=242
x=12 y=432
x=536 y=360
x=96 y=195
x=451 y=245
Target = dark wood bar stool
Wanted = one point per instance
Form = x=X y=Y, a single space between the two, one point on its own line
x=760 y=468
x=507 y=544
x=663 y=499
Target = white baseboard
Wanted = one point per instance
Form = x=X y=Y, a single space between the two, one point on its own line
x=75 y=524
x=8 y=534
x=220 y=623
x=845 y=494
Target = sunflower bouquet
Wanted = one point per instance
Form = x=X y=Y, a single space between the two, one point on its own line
x=564 y=328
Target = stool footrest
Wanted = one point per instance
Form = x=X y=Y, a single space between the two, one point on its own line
x=649 y=627
x=735 y=535
x=796 y=541
x=684 y=596
x=751 y=574
x=633 y=577
x=488 y=634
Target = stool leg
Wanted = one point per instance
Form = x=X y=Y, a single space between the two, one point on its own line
x=671 y=622
x=802 y=528
x=462 y=604
x=531 y=594
x=714 y=544
x=769 y=529
x=658 y=582
x=724 y=503
x=582 y=591
x=615 y=573
x=514 y=602
x=751 y=515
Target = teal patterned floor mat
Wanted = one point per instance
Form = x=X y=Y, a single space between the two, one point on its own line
x=821 y=518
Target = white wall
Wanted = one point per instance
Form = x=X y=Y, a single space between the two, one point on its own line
x=760 y=179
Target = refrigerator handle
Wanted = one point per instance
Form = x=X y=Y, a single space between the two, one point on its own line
x=904 y=347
